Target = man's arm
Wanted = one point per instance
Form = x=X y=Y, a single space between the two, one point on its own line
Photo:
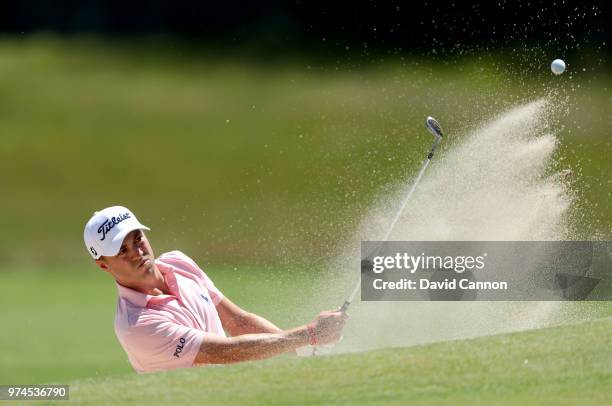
x=237 y=321
x=216 y=349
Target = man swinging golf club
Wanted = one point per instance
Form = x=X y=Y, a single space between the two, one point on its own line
x=170 y=314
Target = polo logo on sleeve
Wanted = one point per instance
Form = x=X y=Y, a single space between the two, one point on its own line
x=110 y=223
x=204 y=297
x=179 y=347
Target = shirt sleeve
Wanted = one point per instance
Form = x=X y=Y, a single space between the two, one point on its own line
x=158 y=344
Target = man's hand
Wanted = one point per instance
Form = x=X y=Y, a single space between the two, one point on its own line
x=327 y=327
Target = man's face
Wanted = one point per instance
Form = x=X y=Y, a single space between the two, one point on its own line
x=134 y=265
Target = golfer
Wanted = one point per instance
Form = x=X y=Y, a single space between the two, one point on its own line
x=170 y=314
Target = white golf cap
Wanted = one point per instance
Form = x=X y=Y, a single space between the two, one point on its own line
x=106 y=229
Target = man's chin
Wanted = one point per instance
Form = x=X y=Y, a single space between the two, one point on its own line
x=146 y=265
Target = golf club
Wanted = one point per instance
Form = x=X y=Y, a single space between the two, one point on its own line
x=434 y=127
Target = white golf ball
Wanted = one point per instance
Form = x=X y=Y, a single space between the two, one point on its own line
x=557 y=66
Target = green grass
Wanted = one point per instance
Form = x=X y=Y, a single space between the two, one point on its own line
x=58 y=323
x=569 y=365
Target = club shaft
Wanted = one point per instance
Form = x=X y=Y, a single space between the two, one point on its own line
x=406 y=199
x=398 y=214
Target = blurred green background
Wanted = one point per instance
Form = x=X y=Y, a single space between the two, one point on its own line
x=239 y=161
x=259 y=171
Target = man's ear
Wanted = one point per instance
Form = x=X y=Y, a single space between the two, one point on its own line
x=102 y=265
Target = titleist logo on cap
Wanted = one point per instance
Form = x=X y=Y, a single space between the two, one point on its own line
x=110 y=223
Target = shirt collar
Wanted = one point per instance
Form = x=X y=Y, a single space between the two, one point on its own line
x=133 y=296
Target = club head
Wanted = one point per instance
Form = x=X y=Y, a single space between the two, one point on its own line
x=434 y=127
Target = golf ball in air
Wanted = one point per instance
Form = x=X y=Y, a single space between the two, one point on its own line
x=557 y=66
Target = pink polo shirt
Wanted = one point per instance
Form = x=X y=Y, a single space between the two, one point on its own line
x=165 y=331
